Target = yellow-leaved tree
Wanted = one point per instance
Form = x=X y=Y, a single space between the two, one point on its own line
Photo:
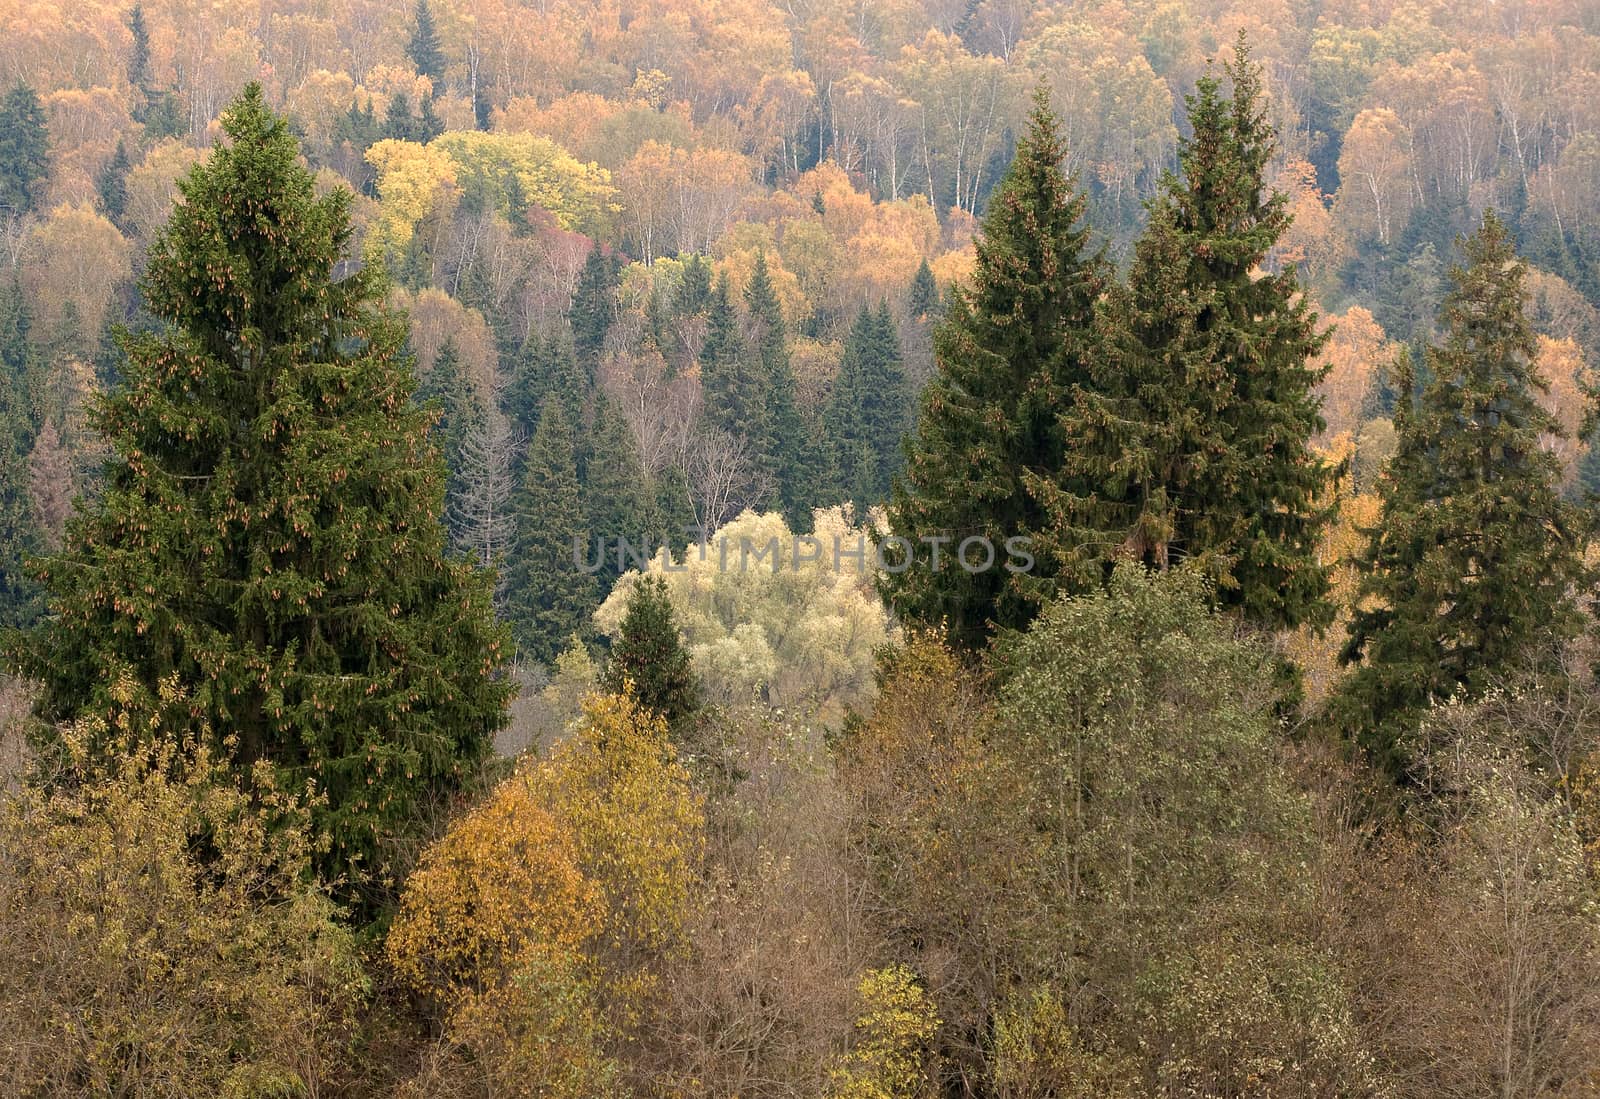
x=534 y=925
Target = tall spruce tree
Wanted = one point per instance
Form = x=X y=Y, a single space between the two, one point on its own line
x=649 y=661
x=111 y=183
x=594 y=307
x=734 y=396
x=548 y=598
x=1474 y=564
x=788 y=448
x=24 y=148
x=398 y=122
x=423 y=49
x=1190 y=439
x=618 y=500
x=868 y=410
x=447 y=394
x=266 y=566
x=545 y=366
x=1009 y=350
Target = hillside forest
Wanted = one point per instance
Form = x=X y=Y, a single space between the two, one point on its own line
x=877 y=550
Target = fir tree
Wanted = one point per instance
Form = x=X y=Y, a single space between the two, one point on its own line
x=1475 y=560
x=398 y=124
x=1190 y=440
x=423 y=46
x=429 y=125
x=649 y=661
x=788 y=449
x=24 y=148
x=447 y=394
x=734 y=396
x=266 y=567
x=593 y=307
x=545 y=367
x=617 y=502
x=923 y=298
x=867 y=410
x=548 y=597
x=694 y=291
x=139 y=56
x=1008 y=351
x=112 y=185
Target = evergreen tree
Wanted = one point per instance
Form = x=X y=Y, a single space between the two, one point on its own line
x=733 y=393
x=649 y=661
x=266 y=567
x=593 y=307
x=112 y=185
x=24 y=148
x=429 y=125
x=1190 y=440
x=139 y=57
x=1008 y=351
x=617 y=501
x=694 y=291
x=398 y=124
x=788 y=449
x=923 y=298
x=548 y=597
x=867 y=411
x=544 y=367
x=447 y=393
x=1473 y=565
x=423 y=46
x=482 y=109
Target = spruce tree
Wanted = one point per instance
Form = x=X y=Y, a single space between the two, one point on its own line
x=139 y=57
x=24 y=148
x=545 y=366
x=266 y=566
x=733 y=391
x=398 y=124
x=617 y=498
x=1190 y=439
x=649 y=661
x=923 y=298
x=788 y=447
x=1008 y=351
x=446 y=393
x=548 y=598
x=593 y=307
x=867 y=410
x=429 y=125
x=1476 y=559
x=112 y=185
x=422 y=48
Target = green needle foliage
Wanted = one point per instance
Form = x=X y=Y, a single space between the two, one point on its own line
x=1191 y=442
x=1008 y=353
x=1475 y=559
x=266 y=566
x=649 y=661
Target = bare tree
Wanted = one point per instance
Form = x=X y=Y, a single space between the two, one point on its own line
x=723 y=478
x=481 y=514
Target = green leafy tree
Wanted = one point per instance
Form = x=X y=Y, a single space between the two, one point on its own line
x=1474 y=561
x=1191 y=439
x=266 y=563
x=1008 y=352
x=24 y=148
x=422 y=48
x=649 y=660
x=548 y=597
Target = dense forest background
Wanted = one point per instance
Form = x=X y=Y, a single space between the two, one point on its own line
x=328 y=330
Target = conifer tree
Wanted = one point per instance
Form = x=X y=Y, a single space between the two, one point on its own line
x=428 y=125
x=867 y=410
x=24 y=148
x=649 y=661
x=139 y=57
x=593 y=307
x=112 y=185
x=1008 y=352
x=617 y=498
x=422 y=48
x=548 y=598
x=1474 y=563
x=788 y=449
x=1190 y=441
x=733 y=393
x=266 y=567
x=545 y=367
x=447 y=394
x=923 y=298
x=398 y=124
